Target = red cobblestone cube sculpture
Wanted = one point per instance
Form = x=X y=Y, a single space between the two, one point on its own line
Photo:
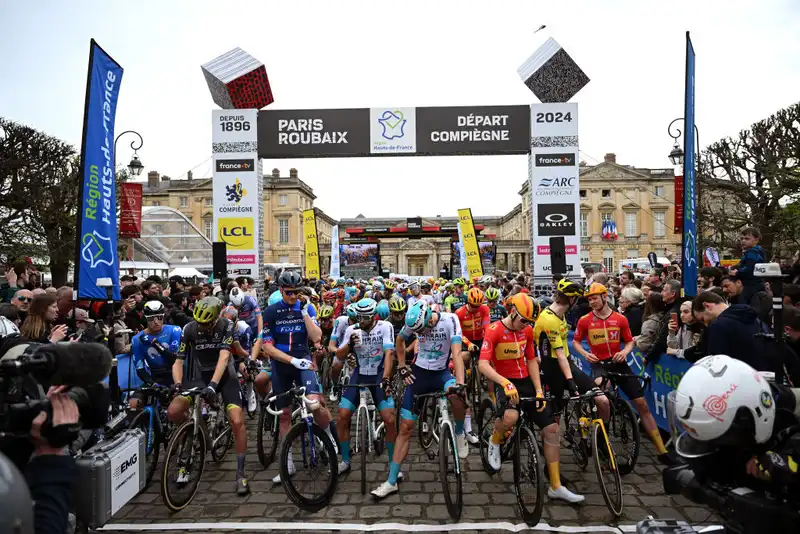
x=237 y=80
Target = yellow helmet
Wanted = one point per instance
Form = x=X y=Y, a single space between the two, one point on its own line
x=595 y=288
x=207 y=310
x=569 y=288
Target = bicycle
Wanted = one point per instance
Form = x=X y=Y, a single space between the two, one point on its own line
x=316 y=453
x=247 y=389
x=587 y=436
x=373 y=440
x=476 y=381
x=522 y=434
x=344 y=378
x=453 y=497
x=152 y=419
x=325 y=381
x=188 y=446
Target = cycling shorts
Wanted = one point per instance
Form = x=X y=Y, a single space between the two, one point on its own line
x=525 y=388
x=630 y=385
x=227 y=386
x=425 y=381
x=285 y=376
x=554 y=379
x=350 y=396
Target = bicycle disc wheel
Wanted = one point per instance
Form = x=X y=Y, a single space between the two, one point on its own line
x=363 y=446
x=304 y=481
x=528 y=471
x=572 y=433
x=221 y=436
x=426 y=422
x=624 y=430
x=266 y=437
x=486 y=417
x=152 y=443
x=450 y=471
x=178 y=495
x=607 y=473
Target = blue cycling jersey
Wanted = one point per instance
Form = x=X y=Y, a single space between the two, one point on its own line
x=249 y=313
x=285 y=328
x=147 y=357
x=245 y=336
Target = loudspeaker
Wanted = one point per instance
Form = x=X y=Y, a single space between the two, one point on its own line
x=558 y=256
x=220 y=260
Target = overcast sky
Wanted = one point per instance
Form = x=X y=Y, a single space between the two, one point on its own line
x=350 y=54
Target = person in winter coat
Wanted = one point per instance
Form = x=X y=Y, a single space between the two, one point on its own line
x=631 y=305
x=686 y=336
x=653 y=317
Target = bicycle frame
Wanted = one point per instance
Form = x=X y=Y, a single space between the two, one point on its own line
x=585 y=422
x=305 y=410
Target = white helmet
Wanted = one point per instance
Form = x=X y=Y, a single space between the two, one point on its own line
x=7 y=327
x=236 y=296
x=710 y=396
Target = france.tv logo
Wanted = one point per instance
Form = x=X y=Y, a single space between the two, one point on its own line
x=393 y=123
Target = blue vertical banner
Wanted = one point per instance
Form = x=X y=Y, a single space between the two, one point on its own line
x=689 y=241
x=96 y=255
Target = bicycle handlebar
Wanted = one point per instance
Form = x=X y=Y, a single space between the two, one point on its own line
x=437 y=394
x=535 y=400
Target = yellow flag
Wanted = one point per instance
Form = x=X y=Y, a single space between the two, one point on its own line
x=312 y=246
x=470 y=243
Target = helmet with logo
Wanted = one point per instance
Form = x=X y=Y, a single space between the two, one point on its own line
x=389 y=284
x=720 y=397
x=289 y=279
x=236 y=297
x=485 y=280
x=418 y=316
x=525 y=306
x=492 y=294
x=365 y=309
x=425 y=284
x=402 y=287
x=207 y=310
x=569 y=288
x=413 y=286
x=326 y=312
x=383 y=309
x=340 y=282
x=154 y=308
x=7 y=327
x=459 y=282
x=230 y=313
x=475 y=297
x=377 y=286
x=397 y=304
x=351 y=311
x=595 y=288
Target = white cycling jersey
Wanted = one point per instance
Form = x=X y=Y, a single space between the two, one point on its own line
x=427 y=298
x=370 y=355
x=339 y=326
x=434 y=345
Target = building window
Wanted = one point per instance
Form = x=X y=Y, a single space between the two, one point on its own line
x=283 y=200
x=659 y=229
x=584 y=256
x=209 y=202
x=606 y=217
x=630 y=224
x=606 y=193
x=608 y=260
x=283 y=259
x=633 y=253
x=184 y=202
x=184 y=233
x=283 y=232
x=208 y=231
x=156 y=203
x=583 y=193
x=584 y=224
x=660 y=191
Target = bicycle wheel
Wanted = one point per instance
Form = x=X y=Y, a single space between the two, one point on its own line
x=188 y=453
x=450 y=471
x=325 y=375
x=221 y=435
x=486 y=418
x=528 y=470
x=152 y=443
x=572 y=433
x=362 y=431
x=607 y=472
x=426 y=423
x=297 y=443
x=267 y=437
x=624 y=429
x=380 y=440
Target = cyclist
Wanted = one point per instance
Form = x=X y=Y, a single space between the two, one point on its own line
x=377 y=291
x=496 y=312
x=248 y=309
x=474 y=318
x=288 y=326
x=453 y=302
x=439 y=338
x=606 y=331
x=383 y=310
x=388 y=288
x=372 y=341
x=350 y=291
x=509 y=346
x=154 y=349
x=340 y=324
x=206 y=351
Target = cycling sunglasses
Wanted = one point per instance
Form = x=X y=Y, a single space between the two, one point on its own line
x=290 y=292
x=150 y=317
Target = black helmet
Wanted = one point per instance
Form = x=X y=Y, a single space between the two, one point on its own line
x=289 y=279
x=16 y=514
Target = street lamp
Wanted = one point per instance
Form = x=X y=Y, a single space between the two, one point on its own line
x=676 y=156
x=135 y=167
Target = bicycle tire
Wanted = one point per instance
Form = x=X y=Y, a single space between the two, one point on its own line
x=454 y=503
x=305 y=503
x=266 y=426
x=532 y=471
x=427 y=416
x=325 y=376
x=380 y=441
x=599 y=440
x=487 y=415
x=223 y=425
x=152 y=443
x=185 y=428
x=475 y=388
x=362 y=429
x=623 y=421
x=572 y=432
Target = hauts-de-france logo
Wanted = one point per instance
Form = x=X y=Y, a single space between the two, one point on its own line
x=97 y=249
x=236 y=192
x=393 y=123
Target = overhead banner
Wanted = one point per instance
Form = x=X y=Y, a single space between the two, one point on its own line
x=335 y=263
x=393 y=131
x=470 y=243
x=311 y=243
x=689 y=266
x=237 y=190
x=554 y=184
x=97 y=217
x=130 y=210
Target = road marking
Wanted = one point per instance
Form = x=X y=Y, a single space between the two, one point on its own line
x=376 y=527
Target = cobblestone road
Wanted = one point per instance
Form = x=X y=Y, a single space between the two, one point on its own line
x=487 y=499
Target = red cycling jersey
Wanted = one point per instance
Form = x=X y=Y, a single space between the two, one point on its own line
x=605 y=336
x=508 y=350
x=473 y=324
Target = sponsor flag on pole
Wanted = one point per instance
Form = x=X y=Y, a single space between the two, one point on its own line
x=689 y=243
x=470 y=243
x=96 y=253
x=335 y=264
x=462 y=257
x=312 y=246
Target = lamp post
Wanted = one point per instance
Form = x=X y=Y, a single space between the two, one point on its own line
x=677 y=157
x=135 y=166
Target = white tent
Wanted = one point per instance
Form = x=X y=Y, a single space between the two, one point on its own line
x=187 y=272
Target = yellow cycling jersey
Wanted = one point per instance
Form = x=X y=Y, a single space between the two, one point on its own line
x=550 y=333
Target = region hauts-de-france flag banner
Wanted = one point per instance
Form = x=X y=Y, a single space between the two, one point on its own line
x=312 y=245
x=96 y=255
x=470 y=243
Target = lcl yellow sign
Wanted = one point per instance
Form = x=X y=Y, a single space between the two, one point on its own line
x=312 y=245
x=237 y=232
x=470 y=243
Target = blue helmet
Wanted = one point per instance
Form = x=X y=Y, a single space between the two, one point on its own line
x=351 y=311
x=365 y=308
x=275 y=297
x=383 y=309
x=418 y=316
